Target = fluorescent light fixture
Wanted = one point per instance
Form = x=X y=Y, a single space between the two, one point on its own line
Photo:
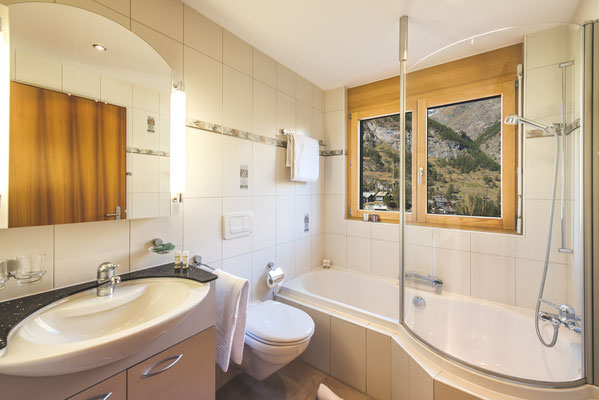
x=177 y=150
x=99 y=47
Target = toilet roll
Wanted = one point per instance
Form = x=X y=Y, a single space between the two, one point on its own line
x=275 y=277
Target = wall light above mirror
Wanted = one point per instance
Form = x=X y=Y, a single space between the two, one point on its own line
x=94 y=121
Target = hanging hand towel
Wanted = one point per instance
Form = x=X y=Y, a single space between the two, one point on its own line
x=231 y=312
x=302 y=158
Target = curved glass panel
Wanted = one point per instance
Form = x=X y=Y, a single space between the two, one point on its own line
x=495 y=235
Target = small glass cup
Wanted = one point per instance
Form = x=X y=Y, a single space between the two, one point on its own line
x=30 y=269
x=3 y=273
x=365 y=217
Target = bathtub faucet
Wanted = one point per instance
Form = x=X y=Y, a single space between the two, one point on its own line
x=565 y=317
x=432 y=280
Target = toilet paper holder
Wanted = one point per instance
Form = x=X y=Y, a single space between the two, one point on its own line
x=275 y=275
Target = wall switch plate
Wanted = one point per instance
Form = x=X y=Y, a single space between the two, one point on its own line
x=238 y=224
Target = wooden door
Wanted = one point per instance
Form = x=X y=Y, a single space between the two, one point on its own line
x=67 y=160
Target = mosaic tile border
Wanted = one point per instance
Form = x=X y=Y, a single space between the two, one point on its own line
x=137 y=150
x=278 y=142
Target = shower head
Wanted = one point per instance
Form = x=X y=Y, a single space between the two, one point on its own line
x=514 y=119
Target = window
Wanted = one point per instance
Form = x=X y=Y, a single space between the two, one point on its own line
x=461 y=159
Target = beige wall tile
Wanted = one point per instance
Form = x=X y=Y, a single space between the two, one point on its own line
x=546 y=47
x=264 y=222
x=241 y=245
x=264 y=173
x=203 y=86
x=81 y=82
x=378 y=365
x=359 y=254
x=202 y=34
x=120 y=14
x=285 y=113
x=318 y=98
x=421 y=383
x=240 y=266
x=450 y=239
x=40 y=71
x=319 y=187
x=499 y=245
x=143 y=231
x=165 y=16
x=146 y=99
x=334 y=130
x=494 y=278
x=359 y=229
x=285 y=219
x=303 y=119
x=318 y=353
x=400 y=373
x=264 y=109
x=388 y=232
x=317 y=124
x=335 y=99
x=453 y=267
x=236 y=153
x=335 y=174
x=169 y=49
x=116 y=92
x=286 y=80
x=318 y=250
x=286 y=257
x=317 y=217
x=203 y=236
x=264 y=68
x=303 y=255
x=348 y=353
x=260 y=259
x=203 y=153
x=335 y=215
x=304 y=91
x=385 y=259
x=121 y=6
x=284 y=184
x=418 y=258
x=419 y=235
x=237 y=53
x=237 y=100
x=528 y=279
x=335 y=249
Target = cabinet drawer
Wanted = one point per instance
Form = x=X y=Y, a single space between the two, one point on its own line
x=185 y=371
x=113 y=388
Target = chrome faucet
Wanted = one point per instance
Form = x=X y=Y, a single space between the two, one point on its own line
x=565 y=317
x=106 y=279
x=436 y=283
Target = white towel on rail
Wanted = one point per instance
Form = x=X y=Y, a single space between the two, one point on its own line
x=231 y=313
x=302 y=158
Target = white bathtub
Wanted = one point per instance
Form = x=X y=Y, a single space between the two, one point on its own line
x=491 y=336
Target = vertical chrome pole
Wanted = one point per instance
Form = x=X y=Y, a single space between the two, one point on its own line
x=520 y=152
x=564 y=66
x=403 y=59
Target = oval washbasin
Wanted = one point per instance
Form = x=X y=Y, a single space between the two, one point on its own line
x=84 y=331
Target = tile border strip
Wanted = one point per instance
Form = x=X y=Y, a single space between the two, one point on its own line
x=137 y=150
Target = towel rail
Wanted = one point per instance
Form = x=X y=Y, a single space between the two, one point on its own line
x=285 y=132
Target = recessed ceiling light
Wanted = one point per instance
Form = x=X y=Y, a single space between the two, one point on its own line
x=99 y=47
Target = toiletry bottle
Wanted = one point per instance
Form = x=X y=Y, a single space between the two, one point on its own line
x=177 y=259
x=185 y=259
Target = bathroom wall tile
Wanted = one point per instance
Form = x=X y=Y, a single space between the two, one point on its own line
x=400 y=372
x=318 y=353
x=143 y=205
x=36 y=70
x=169 y=49
x=165 y=175
x=450 y=239
x=264 y=171
x=378 y=365
x=285 y=112
x=286 y=80
x=319 y=187
x=97 y=8
x=348 y=353
x=546 y=47
x=303 y=119
x=264 y=234
x=240 y=266
x=421 y=383
x=202 y=228
x=144 y=231
x=335 y=214
x=80 y=82
x=334 y=130
x=116 y=92
x=203 y=152
x=303 y=188
x=317 y=124
x=204 y=87
x=286 y=258
x=543 y=88
x=285 y=186
x=264 y=109
x=318 y=96
x=303 y=91
x=240 y=245
x=165 y=103
x=260 y=259
x=528 y=279
x=493 y=278
x=265 y=68
x=146 y=174
x=303 y=256
x=419 y=235
x=303 y=208
x=499 y=245
x=387 y=232
x=141 y=137
x=385 y=259
x=335 y=250
x=317 y=223
x=538 y=168
x=28 y=241
x=129 y=126
x=418 y=258
x=335 y=99
x=318 y=250
x=121 y=6
x=165 y=16
x=359 y=254
x=165 y=133
x=285 y=219
x=453 y=267
x=237 y=100
x=335 y=174
x=145 y=99
x=359 y=229
x=237 y=154
x=80 y=248
x=237 y=53
x=202 y=34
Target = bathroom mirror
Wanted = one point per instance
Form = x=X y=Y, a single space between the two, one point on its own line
x=89 y=120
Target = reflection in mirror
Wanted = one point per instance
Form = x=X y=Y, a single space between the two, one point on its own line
x=89 y=120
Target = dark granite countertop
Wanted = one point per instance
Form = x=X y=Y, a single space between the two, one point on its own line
x=14 y=311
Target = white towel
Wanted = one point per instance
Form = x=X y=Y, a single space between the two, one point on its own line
x=302 y=158
x=324 y=393
x=231 y=312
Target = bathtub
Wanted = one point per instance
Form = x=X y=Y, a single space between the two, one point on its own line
x=495 y=338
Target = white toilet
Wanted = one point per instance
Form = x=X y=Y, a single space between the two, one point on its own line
x=275 y=335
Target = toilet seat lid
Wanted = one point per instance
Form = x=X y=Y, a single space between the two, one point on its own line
x=274 y=322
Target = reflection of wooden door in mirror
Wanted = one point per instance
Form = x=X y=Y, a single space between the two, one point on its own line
x=67 y=159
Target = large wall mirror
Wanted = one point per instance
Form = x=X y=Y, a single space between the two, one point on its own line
x=89 y=120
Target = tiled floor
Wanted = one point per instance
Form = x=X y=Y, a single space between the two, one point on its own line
x=297 y=381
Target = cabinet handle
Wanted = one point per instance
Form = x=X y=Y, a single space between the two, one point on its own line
x=150 y=374
x=102 y=396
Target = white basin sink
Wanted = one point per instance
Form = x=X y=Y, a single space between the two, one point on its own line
x=84 y=331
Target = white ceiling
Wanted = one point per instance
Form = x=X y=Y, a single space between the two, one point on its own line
x=351 y=42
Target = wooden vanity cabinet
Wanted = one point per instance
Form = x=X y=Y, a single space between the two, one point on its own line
x=113 y=388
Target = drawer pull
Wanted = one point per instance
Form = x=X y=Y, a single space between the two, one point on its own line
x=104 y=396
x=149 y=373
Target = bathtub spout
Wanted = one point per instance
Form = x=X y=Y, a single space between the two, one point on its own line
x=432 y=280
